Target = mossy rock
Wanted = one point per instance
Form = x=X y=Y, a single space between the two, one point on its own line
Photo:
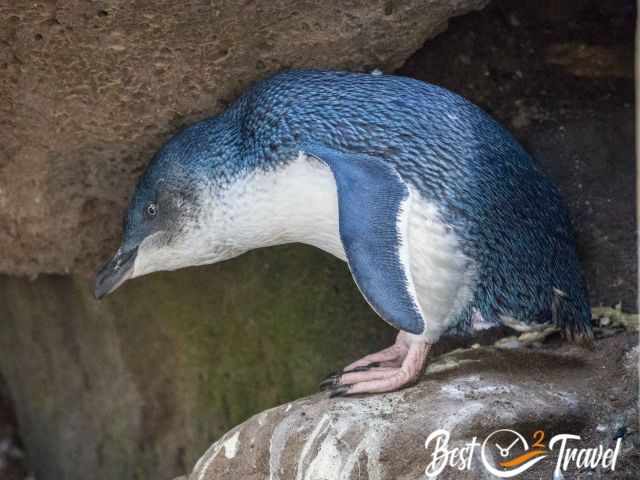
x=138 y=385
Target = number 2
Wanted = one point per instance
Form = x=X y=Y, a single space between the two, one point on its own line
x=538 y=437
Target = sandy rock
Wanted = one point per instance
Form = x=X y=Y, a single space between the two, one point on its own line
x=470 y=393
x=89 y=91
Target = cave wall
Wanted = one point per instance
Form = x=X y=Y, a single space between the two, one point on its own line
x=137 y=386
x=89 y=90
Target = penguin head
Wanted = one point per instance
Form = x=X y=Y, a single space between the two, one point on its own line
x=172 y=216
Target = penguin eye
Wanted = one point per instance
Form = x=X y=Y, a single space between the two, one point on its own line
x=152 y=210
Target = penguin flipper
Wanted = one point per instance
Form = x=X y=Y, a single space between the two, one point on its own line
x=373 y=209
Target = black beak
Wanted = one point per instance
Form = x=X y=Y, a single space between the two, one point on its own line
x=115 y=272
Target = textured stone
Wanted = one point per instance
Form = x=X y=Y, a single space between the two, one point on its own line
x=382 y=437
x=136 y=386
x=88 y=90
x=469 y=393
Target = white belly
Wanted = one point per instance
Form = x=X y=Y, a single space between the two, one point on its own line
x=300 y=204
x=443 y=276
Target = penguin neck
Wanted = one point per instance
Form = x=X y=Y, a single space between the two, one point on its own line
x=295 y=203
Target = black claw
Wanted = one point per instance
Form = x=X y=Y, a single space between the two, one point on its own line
x=340 y=391
x=331 y=381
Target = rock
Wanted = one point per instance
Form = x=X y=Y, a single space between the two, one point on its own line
x=470 y=393
x=12 y=457
x=89 y=91
x=137 y=385
x=591 y=61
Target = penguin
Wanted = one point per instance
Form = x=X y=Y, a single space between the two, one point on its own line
x=446 y=223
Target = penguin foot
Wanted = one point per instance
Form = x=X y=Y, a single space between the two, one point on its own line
x=333 y=378
x=391 y=369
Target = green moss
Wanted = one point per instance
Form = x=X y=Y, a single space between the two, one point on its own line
x=170 y=361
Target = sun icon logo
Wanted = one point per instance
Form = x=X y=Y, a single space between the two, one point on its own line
x=511 y=452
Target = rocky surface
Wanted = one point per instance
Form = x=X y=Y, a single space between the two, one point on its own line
x=138 y=385
x=470 y=393
x=89 y=90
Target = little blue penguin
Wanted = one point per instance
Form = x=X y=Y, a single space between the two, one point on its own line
x=446 y=223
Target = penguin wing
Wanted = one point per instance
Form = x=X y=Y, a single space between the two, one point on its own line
x=373 y=209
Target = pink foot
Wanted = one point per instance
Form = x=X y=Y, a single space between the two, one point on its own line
x=385 y=371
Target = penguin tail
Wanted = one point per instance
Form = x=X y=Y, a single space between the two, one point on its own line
x=582 y=337
x=573 y=317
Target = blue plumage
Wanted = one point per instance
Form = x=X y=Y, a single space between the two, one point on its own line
x=383 y=137
x=510 y=216
x=371 y=194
